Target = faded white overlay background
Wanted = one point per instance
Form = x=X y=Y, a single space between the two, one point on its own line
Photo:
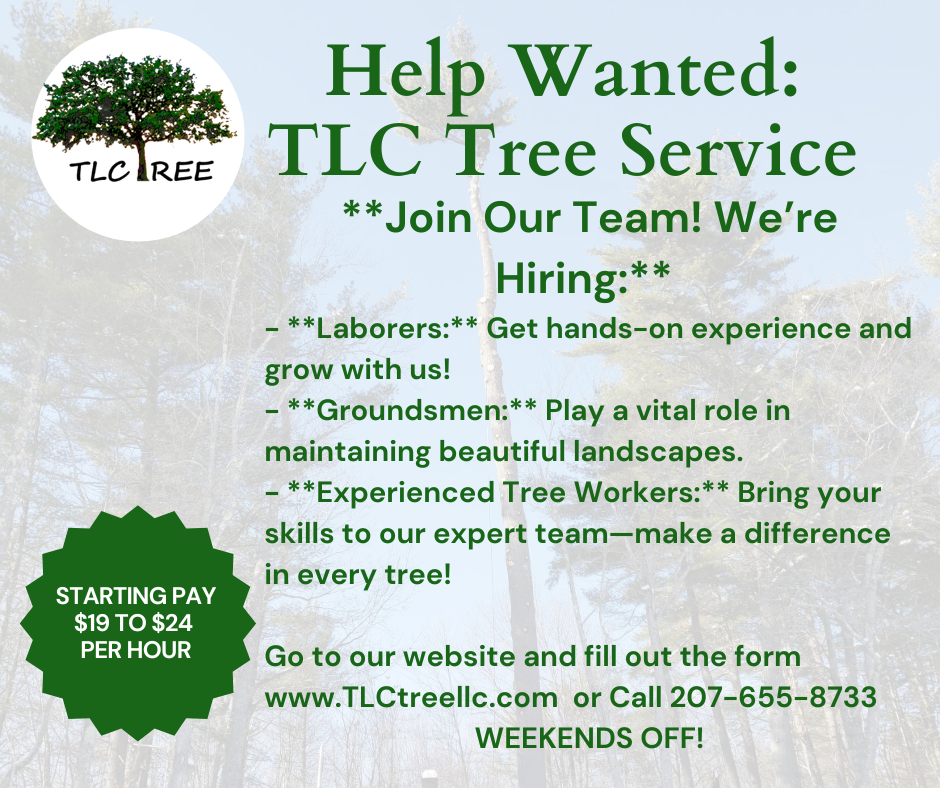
x=133 y=374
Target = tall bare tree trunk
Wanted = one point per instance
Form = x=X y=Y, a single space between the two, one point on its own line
x=182 y=747
x=786 y=770
x=16 y=477
x=82 y=778
x=730 y=768
x=602 y=716
x=236 y=747
x=530 y=763
x=117 y=759
x=661 y=671
x=747 y=735
x=873 y=666
x=843 y=755
x=139 y=774
x=148 y=443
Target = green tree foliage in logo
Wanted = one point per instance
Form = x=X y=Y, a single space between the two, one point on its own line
x=118 y=101
x=114 y=656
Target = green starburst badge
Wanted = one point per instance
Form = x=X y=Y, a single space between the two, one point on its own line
x=137 y=623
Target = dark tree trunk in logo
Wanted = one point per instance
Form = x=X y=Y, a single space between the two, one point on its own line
x=141 y=161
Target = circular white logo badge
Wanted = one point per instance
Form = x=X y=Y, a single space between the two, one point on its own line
x=138 y=135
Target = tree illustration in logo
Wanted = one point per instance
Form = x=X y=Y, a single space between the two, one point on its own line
x=119 y=101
